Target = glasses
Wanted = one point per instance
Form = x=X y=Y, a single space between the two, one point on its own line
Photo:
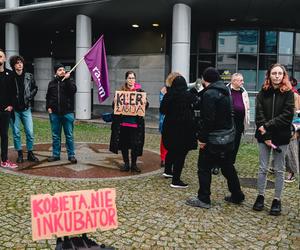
x=131 y=78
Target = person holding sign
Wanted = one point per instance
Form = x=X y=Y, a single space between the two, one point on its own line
x=60 y=106
x=128 y=126
x=178 y=131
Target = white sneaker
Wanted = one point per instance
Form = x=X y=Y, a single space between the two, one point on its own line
x=290 y=178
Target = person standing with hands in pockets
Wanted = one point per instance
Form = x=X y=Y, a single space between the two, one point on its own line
x=274 y=114
x=60 y=106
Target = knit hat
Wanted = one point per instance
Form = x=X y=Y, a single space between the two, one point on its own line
x=57 y=66
x=211 y=75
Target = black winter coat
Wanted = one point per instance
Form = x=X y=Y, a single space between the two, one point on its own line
x=216 y=110
x=7 y=89
x=178 y=131
x=60 y=96
x=139 y=140
x=274 y=111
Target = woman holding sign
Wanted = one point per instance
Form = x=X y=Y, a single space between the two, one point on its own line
x=128 y=126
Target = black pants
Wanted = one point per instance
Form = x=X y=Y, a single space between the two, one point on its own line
x=206 y=162
x=175 y=160
x=4 y=124
x=125 y=155
x=237 y=142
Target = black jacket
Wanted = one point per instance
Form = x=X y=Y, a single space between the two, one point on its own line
x=30 y=90
x=216 y=110
x=7 y=90
x=274 y=111
x=60 y=96
x=178 y=131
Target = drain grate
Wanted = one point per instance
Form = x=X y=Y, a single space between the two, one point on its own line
x=252 y=183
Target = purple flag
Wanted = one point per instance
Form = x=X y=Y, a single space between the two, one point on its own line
x=95 y=59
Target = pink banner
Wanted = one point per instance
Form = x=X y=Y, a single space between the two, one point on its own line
x=76 y=212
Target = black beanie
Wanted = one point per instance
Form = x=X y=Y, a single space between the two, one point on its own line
x=57 y=66
x=211 y=75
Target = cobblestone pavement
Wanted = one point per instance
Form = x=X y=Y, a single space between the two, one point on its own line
x=152 y=215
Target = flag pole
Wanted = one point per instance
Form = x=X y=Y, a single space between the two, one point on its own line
x=74 y=67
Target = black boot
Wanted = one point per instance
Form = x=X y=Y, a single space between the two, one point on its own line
x=32 y=157
x=125 y=167
x=134 y=168
x=20 y=156
x=259 y=203
x=276 y=207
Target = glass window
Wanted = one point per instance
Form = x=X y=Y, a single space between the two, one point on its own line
x=205 y=61
x=264 y=63
x=268 y=42
x=206 y=42
x=248 y=41
x=247 y=67
x=226 y=64
x=297 y=69
x=193 y=68
x=286 y=42
x=287 y=61
x=227 y=42
x=297 y=46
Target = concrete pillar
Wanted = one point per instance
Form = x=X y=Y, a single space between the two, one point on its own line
x=11 y=33
x=83 y=77
x=181 y=39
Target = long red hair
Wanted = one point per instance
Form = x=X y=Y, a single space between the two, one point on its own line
x=285 y=84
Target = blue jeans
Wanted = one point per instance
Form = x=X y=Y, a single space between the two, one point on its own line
x=25 y=118
x=67 y=123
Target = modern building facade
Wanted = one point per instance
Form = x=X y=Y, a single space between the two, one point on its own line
x=152 y=38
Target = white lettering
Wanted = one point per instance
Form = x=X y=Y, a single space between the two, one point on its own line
x=97 y=74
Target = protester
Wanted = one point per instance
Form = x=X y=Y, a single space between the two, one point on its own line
x=128 y=132
x=26 y=90
x=7 y=99
x=274 y=114
x=163 y=151
x=216 y=115
x=178 y=132
x=60 y=106
x=241 y=109
x=292 y=154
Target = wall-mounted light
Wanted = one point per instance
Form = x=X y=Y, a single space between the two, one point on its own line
x=135 y=25
x=232 y=19
x=155 y=24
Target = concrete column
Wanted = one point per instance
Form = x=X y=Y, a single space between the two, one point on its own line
x=83 y=77
x=181 y=39
x=11 y=33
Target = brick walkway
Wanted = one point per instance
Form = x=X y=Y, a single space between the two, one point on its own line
x=152 y=215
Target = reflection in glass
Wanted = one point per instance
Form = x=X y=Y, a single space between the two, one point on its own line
x=227 y=41
x=227 y=62
x=248 y=41
x=247 y=66
x=205 y=61
x=268 y=42
x=264 y=63
x=206 y=42
x=297 y=46
x=297 y=69
x=287 y=61
x=286 y=42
